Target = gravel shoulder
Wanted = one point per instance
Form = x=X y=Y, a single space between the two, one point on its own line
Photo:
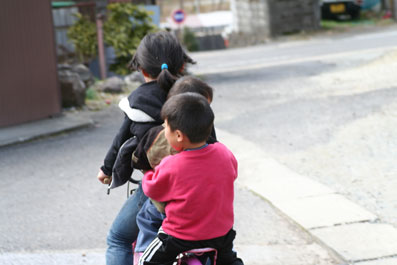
x=359 y=158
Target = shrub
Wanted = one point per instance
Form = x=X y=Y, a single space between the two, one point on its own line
x=84 y=37
x=189 y=40
x=91 y=94
x=125 y=26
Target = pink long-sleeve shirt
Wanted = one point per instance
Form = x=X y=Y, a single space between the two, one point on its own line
x=198 y=186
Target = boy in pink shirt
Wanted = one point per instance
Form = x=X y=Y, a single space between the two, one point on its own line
x=196 y=184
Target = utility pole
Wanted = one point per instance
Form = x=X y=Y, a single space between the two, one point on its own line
x=179 y=30
x=383 y=5
x=197 y=5
x=394 y=9
x=220 y=5
x=100 y=17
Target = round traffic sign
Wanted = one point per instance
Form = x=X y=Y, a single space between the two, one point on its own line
x=179 y=16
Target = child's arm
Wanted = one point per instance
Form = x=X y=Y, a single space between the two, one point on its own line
x=123 y=134
x=157 y=184
x=128 y=129
x=103 y=178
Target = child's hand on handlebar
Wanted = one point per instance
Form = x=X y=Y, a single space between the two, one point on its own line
x=104 y=179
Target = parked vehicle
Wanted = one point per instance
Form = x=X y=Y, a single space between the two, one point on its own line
x=374 y=5
x=340 y=9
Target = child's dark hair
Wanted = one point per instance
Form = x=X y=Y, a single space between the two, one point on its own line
x=191 y=84
x=162 y=57
x=191 y=114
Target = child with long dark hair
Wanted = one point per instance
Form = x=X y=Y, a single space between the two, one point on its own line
x=161 y=59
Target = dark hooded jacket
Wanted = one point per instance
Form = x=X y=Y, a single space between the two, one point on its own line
x=142 y=111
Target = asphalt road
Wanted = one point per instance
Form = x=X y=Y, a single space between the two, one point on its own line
x=324 y=107
x=56 y=212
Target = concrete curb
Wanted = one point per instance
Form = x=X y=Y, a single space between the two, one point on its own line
x=350 y=233
x=42 y=128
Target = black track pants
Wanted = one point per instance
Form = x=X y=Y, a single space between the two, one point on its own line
x=165 y=248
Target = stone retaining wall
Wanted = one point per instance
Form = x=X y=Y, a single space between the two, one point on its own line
x=257 y=20
x=288 y=16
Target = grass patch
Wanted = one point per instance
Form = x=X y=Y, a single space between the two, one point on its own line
x=367 y=18
x=91 y=94
x=98 y=100
x=332 y=24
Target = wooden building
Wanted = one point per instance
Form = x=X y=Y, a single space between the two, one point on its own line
x=29 y=88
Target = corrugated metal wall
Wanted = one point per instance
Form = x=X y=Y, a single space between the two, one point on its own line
x=64 y=18
x=29 y=88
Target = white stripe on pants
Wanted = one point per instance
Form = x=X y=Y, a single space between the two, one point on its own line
x=151 y=249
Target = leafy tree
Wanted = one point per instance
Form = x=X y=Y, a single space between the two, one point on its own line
x=125 y=26
x=189 y=40
x=84 y=37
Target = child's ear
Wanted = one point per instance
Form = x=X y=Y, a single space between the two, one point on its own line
x=182 y=68
x=144 y=73
x=180 y=136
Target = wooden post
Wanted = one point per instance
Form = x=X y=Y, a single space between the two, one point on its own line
x=179 y=30
x=197 y=6
x=101 y=48
x=383 y=5
x=100 y=10
x=394 y=9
